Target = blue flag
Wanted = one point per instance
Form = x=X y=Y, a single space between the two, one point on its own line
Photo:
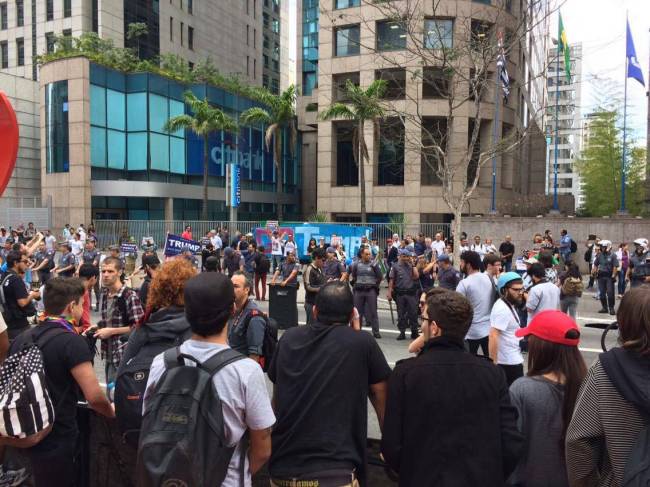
x=633 y=66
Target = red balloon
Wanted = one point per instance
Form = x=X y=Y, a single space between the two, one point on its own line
x=8 y=141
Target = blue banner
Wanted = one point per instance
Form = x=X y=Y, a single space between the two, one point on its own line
x=175 y=245
x=235 y=185
x=127 y=248
x=347 y=235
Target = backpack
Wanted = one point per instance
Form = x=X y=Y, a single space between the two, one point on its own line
x=131 y=382
x=4 y=308
x=572 y=287
x=182 y=440
x=270 y=336
x=637 y=467
x=574 y=246
x=27 y=412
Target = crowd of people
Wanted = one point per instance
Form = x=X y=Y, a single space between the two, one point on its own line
x=185 y=358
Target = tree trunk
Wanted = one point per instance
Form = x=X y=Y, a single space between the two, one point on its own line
x=278 y=176
x=456 y=230
x=362 y=173
x=206 y=161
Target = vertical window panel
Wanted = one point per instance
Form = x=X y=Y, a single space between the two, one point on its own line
x=115 y=110
x=97 y=147
x=137 y=103
x=158 y=112
x=137 y=152
x=177 y=155
x=97 y=105
x=116 y=149
x=159 y=150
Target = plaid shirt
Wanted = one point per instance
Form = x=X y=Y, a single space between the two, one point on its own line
x=112 y=349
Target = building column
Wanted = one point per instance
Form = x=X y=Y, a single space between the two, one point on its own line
x=169 y=209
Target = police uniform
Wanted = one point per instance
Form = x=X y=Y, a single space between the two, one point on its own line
x=44 y=274
x=639 y=268
x=333 y=269
x=405 y=295
x=606 y=262
x=448 y=278
x=366 y=288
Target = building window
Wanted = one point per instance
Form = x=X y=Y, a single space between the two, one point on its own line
x=254 y=38
x=67 y=32
x=275 y=26
x=3 y=16
x=248 y=28
x=254 y=9
x=438 y=33
x=395 y=82
x=147 y=12
x=347 y=171
x=345 y=3
x=20 y=13
x=275 y=86
x=266 y=43
x=478 y=84
x=480 y=35
x=390 y=168
x=265 y=81
x=248 y=61
x=391 y=36
x=4 y=54
x=309 y=82
x=339 y=82
x=254 y=68
x=265 y=20
x=485 y=2
x=266 y=61
x=20 y=51
x=434 y=139
x=49 y=9
x=346 y=40
x=49 y=42
x=181 y=4
x=56 y=127
x=435 y=83
x=190 y=7
x=95 y=15
x=182 y=28
x=67 y=8
x=190 y=37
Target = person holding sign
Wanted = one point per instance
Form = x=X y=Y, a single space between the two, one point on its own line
x=276 y=248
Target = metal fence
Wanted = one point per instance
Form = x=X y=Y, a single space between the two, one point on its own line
x=109 y=232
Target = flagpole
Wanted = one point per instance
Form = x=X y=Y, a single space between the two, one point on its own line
x=623 y=210
x=493 y=207
x=556 y=206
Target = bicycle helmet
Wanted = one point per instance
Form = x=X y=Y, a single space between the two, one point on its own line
x=506 y=278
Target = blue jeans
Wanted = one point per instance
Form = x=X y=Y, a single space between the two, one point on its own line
x=276 y=260
x=621 y=281
x=507 y=264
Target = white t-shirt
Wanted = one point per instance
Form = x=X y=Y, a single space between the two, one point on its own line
x=244 y=398
x=216 y=242
x=3 y=324
x=477 y=288
x=276 y=246
x=438 y=247
x=505 y=319
x=541 y=297
x=50 y=242
x=77 y=248
x=289 y=247
x=480 y=249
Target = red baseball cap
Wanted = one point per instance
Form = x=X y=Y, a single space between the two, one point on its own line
x=551 y=325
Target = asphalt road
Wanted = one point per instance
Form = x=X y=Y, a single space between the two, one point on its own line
x=590 y=344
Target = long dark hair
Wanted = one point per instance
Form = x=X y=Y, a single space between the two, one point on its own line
x=563 y=360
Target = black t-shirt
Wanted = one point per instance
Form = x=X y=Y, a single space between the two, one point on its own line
x=262 y=264
x=14 y=289
x=62 y=351
x=322 y=375
x=507 y=248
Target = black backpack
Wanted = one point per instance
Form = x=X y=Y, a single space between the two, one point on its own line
x=637 y=467
x=131 y=382
x=182 y=440
x=574 y=246
x=270 y=337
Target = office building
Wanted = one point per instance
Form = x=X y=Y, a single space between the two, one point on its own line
x=355 y=40
x=566 y=95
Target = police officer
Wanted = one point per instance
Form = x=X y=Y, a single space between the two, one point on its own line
x=606 y=269
x=638 y=271
x=90 y=255
x=366 y=277
x=403 y=281
x=334 y=269
x=448 y=276
x=43 y=263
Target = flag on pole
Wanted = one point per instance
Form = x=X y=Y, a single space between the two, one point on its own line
x=633 y=66
x=563 y=46
x=503 y=70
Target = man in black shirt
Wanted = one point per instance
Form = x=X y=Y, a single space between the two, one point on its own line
x=150 y=264
x=18 y=300
x=507 y=250
x=324 y=374
x=68 y=364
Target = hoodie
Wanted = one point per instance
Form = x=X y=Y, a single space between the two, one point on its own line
x=629 y=373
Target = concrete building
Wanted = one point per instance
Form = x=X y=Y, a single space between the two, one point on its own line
x=105 y=155
x=569 y=122
x=359 y=41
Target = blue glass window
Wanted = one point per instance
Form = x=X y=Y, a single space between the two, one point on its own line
x=137 y=103
x=346 y=3
x=137 y=147
x=176 y=108
x=116 y=108
x=346 y=41
x=158 y=112
x=97 y=105
x=56 y=127
x=177 y=155
x=98 y=147
x=438 y=33
x=116 y=149
x=391 y=36
x=159 y=150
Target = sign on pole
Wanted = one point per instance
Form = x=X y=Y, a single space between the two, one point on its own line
x=235 y=185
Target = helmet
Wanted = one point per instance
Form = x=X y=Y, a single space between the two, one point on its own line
x=606 y=244
x=506 y=278
x=642 y=242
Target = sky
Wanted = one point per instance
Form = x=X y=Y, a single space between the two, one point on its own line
x=600 y=26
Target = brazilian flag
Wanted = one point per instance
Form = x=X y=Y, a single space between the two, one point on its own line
x=563 y=47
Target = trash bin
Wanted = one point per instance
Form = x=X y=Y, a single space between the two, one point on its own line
x=282 y=305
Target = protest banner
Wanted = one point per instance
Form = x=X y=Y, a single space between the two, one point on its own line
x=176 y=245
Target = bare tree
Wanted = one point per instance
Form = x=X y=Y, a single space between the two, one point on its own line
x=455 y=64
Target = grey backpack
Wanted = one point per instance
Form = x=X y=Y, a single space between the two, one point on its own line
x=182 y=438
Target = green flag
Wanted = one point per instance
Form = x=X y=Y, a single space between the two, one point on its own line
x=563 y=46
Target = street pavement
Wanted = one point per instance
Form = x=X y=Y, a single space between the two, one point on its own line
x=590 y=343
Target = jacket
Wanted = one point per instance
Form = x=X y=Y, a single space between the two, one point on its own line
x=607 y=418
x=449 y=421
x=165 y=324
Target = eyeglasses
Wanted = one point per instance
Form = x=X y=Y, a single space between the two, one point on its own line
x=518 y=289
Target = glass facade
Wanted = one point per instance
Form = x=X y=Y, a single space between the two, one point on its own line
x=346 y=3
x=128 y=141
x=391 y=36
x=347 y=40
x=147 y=12
x=438 y=33
x=57 y=157
x=309 y=46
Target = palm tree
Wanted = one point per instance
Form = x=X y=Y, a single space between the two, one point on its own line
x=360 y=106
x=279 y=114
x=204 y=121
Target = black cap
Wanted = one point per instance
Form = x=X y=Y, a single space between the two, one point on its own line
x=150 y=260
x=207 y=295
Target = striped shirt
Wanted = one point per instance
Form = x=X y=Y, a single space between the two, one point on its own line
x=602 y=432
